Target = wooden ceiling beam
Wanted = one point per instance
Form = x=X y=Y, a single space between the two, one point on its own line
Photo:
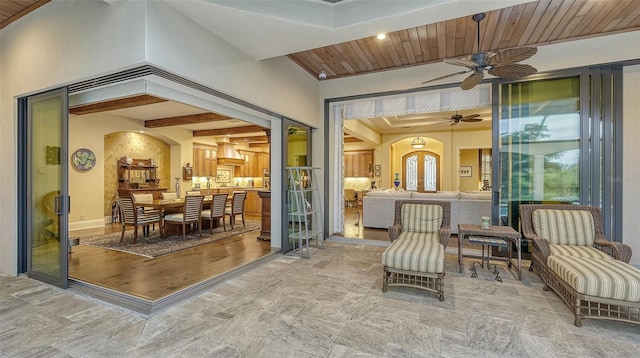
x=252 y=139
x=225 y=131
x=120 y=103
x=259 y=145
x=188 y=119
x=352 y=140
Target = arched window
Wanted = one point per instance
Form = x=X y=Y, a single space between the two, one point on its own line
x=420 y=171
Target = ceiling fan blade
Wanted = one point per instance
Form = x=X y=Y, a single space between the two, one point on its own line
x=446 y=76
x=472 y=80
x=513 y=71
x=454 y=123
x=471 y=119
x=466 y=61
x=511 y=56
x=467 y=118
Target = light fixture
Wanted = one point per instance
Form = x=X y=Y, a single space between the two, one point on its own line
x=417 y=143
x=381 y=36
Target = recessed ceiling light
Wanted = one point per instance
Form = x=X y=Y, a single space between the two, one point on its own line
x=381 y=36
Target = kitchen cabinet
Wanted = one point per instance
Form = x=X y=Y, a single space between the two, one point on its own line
x=263 y=164
x=252 y=203
x=358 y=163
x=204 y=160
x=249 y=167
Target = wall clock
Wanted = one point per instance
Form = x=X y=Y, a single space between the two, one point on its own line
x=83 y=159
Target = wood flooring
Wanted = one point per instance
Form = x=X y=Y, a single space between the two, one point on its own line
x=154 y=278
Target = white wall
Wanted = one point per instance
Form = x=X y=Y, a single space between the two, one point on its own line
x=180 y=45
x=67 y=41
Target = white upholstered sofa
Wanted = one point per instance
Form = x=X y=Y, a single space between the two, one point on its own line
x=467 y=208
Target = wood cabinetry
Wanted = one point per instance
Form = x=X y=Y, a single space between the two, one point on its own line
x=254 y=165
x=358 y=163
x=204 y=160
x=252 y=204
x=138 y=176
x=263 y=164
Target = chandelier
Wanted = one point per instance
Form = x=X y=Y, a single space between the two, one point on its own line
x=417 y=142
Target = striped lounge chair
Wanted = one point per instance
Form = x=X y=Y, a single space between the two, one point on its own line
x=573 y=257
x=418 y=236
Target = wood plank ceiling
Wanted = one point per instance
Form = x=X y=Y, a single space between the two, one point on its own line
x=535 y=23
x=12 y=10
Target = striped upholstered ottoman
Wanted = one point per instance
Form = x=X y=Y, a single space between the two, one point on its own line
x=414 y=261
x=597 y=277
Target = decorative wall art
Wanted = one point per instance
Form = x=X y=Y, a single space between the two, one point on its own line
x=83 y=159
x=465 y=171
x=223 y=176
x=52 y=155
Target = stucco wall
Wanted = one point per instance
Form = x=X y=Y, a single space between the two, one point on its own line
x=136 y=146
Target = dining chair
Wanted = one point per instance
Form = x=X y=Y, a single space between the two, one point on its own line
x=132 y=217
x=236 y=207
x=169 y=196
x=145 y=199
x=191 y=214
x=193 y=192
x=216 y=212
x=350 y=197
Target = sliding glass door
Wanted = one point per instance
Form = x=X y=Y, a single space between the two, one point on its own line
x=45 y=193
x=539 y=144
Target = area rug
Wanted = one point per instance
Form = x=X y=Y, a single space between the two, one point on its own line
x=154 y=245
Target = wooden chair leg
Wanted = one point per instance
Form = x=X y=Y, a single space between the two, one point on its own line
x=184 y=229
x=122 y=236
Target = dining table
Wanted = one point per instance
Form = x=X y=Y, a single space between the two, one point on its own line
x=163 y=204
x=170 y=205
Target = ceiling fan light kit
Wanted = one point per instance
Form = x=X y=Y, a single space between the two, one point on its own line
x=501 y=63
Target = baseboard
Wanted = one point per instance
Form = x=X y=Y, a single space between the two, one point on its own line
x=86 y=224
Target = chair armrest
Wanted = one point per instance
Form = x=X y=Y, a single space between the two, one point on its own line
x=617 y=250
x=394 y=231
x=542 y=245
x=445 y=234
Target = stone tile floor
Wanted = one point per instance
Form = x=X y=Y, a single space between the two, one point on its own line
x=330 y=305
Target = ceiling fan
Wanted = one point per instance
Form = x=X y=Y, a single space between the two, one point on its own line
x=500 y=63
x=457 y=118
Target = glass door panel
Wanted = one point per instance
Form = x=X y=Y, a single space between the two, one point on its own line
x=296 y=154
x=48 y=202
x=539 y=141
x=420 y=171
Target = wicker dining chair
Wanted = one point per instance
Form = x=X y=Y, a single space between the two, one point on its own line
x=132 y=217
x=237 y=207
x=191 y=214
x=218 y=203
